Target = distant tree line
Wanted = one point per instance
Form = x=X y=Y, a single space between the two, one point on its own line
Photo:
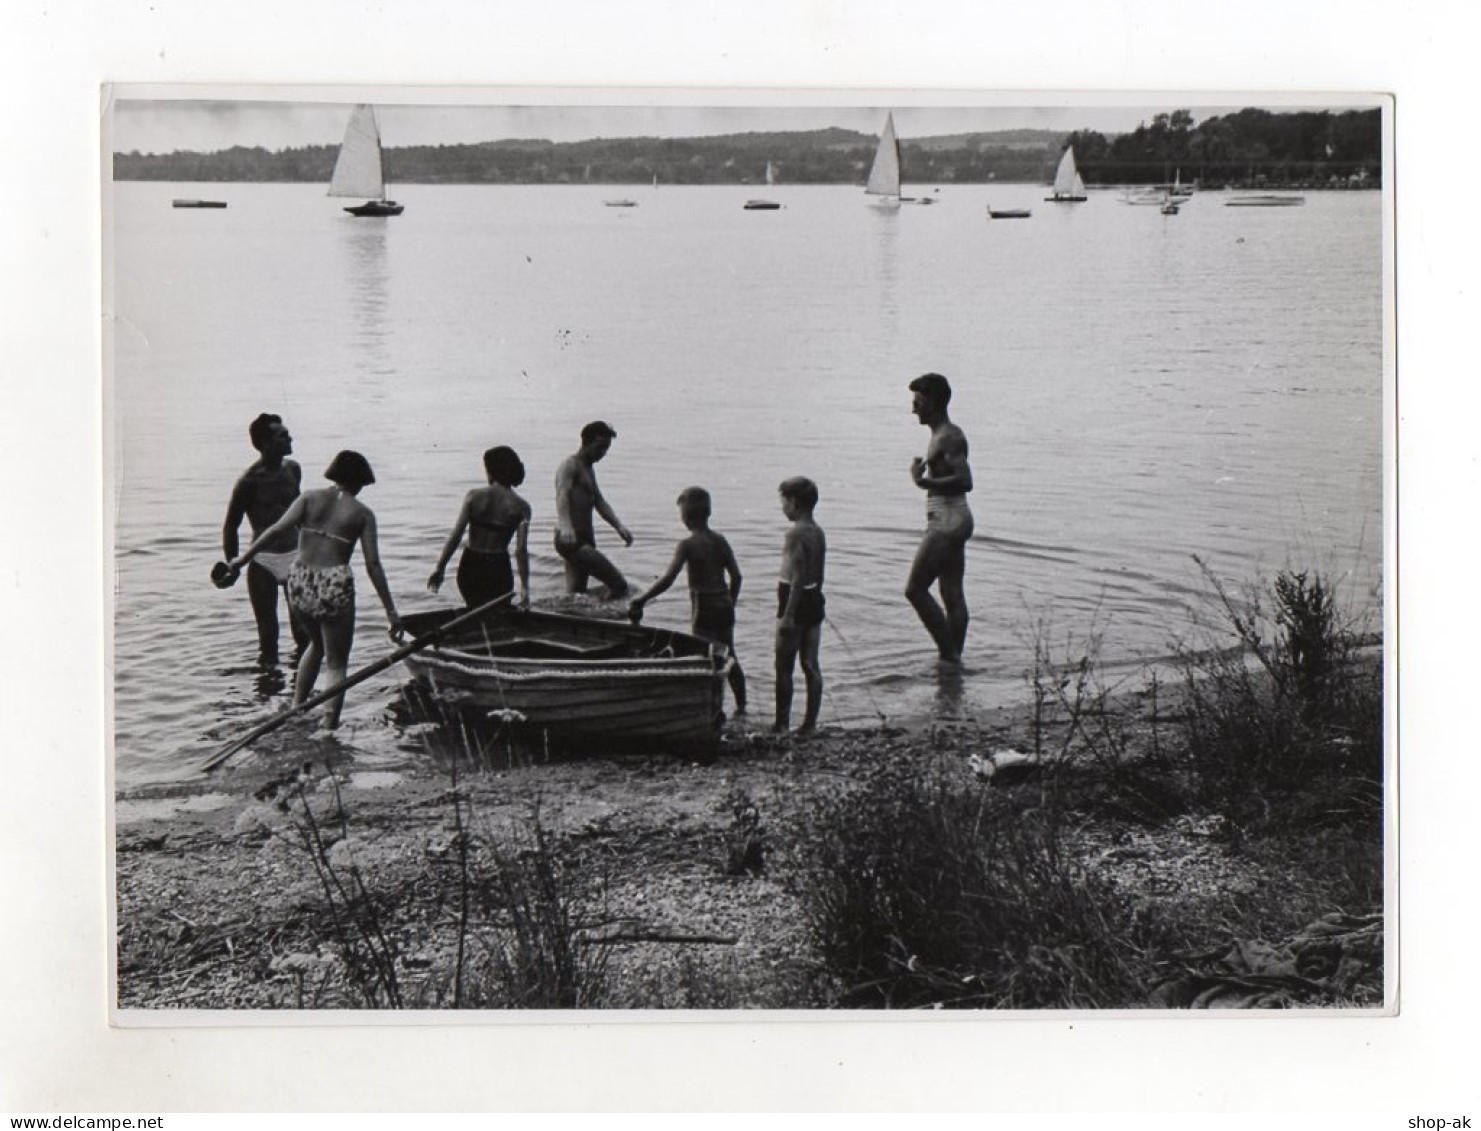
x=1252 y=146
x=1313 y=149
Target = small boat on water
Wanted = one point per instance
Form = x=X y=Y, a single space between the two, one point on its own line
x=1264 y=200
x=1169 y=207
x=760 y=205
x=577 y=675
x=623 y=203
x=359 y=170
x=1068 y=187
x=1008 y=213
x=1145 y=196
x=181 y=203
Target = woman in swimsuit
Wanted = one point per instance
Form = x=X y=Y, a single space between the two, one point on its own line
x=321 y=589
x=493 y=516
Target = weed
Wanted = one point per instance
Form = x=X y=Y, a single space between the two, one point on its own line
x=926 y=890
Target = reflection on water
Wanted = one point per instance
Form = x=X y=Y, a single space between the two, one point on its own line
x=884 y=247
x=951 y=687
x=367 y=275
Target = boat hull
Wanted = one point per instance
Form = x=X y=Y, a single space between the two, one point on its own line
x=1057 y=199
x=377 y=208
x=761 y=206
x=1009 y=214
x=1265 y=202
x=578 y=676
x=198 y=204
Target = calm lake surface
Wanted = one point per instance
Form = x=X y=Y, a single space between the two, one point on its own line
x=1136 y=389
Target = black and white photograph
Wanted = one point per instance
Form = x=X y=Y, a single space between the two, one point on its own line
x=699 y=552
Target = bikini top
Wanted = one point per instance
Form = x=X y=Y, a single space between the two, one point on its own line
x=327 y=534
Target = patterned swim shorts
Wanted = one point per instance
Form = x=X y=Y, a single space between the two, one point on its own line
x=322 y=592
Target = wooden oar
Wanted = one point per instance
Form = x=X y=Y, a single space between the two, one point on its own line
x=349 y=681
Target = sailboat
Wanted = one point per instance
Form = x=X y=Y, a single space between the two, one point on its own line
x=358 y=170
x=884 y=174
x=1068 y=187
x=763 y=205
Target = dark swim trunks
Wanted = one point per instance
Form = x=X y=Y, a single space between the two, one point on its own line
x=809 y=604
x=713 y=616
x=482 y=576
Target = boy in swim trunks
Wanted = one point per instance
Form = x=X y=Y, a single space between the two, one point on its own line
x=946 y=477
x=710 y=562
x=576 y=497
x=264 y=491
x=800 y=605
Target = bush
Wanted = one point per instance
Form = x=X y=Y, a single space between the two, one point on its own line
x=1289 y=721
x=925 y=889
x=542 y=952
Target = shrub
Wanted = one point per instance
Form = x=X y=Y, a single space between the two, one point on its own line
x=1288 y=721
x=925 y=889
x=541 y=952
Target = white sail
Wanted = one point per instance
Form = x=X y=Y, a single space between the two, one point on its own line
x=1067 y=180
x=357 y=171
x=768 y=173
x=884 y=175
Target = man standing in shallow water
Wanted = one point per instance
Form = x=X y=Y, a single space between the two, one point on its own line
x=946 y=477
x=576 y=497
x=263 y=493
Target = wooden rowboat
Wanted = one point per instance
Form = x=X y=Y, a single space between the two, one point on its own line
x=577 y=675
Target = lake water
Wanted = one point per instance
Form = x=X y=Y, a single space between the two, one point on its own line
x=1136 y=389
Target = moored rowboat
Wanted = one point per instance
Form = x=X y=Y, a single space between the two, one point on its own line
x=577 y=675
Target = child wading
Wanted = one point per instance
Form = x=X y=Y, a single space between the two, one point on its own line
x=799 y=629
x=712 y=598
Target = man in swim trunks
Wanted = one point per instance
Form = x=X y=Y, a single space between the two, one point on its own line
x=800 y=607
x=576 y=497
x=946 y=477
x=262 y=494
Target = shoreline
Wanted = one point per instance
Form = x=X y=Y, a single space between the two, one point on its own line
x=694 y=873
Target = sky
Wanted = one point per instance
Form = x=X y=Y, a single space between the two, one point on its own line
x=155 y=121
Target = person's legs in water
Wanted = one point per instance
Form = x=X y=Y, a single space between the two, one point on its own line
x=812 y=671
x=788 y=640
x=714 y=619
x=594 y=563
x=931 y=559
x=954 y=596
x=308 y=663
x=576 y=575
x=262 y=589
x=301 y=635
x=339 y=635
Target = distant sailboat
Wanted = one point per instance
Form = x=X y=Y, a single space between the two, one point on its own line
x=763 y=205
x=1068 y=187
x=884 y=174
x=359 y=171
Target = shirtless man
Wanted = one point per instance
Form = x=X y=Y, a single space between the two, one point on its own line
x=263 y=493
x=576 y=497
x=945 y=476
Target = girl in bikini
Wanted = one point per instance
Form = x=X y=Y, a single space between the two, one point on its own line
x=321 y=588
x=492 y=516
